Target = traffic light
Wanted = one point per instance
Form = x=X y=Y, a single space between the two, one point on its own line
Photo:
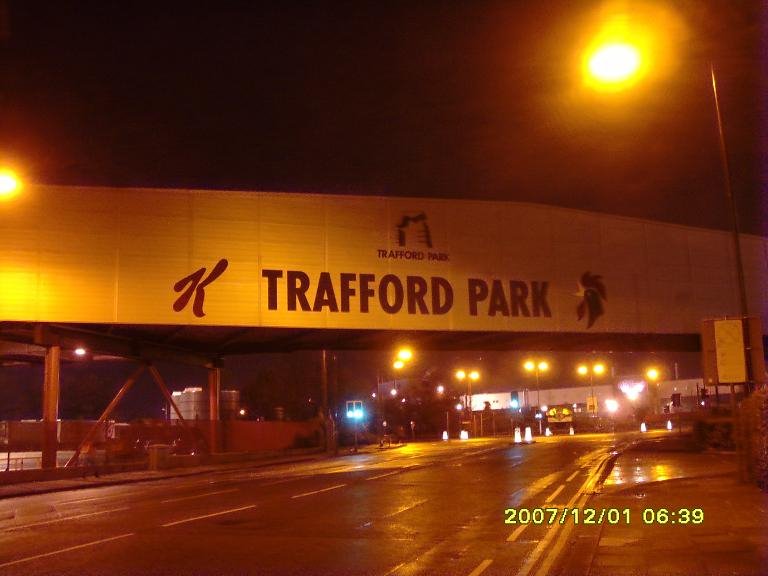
x=355 y=409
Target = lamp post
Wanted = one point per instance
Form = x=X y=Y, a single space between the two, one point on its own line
x=591 y=370
x=471 y=376
x=537 y=367
x=617 y=64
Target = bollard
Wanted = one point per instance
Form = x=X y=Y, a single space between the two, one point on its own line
x=571 y=431
x=445 y=435
x=669 y=424
x=518 y=438
x=547 y=432
x=464 y=435
x=528 y=435
x=643 y=428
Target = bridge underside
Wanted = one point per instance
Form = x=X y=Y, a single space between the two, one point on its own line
x=205 y=345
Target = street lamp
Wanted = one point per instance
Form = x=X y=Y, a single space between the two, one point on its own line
x=616 y=60
x=591 y=370
x=536 y=367
x=10 y=185
x=471 y=376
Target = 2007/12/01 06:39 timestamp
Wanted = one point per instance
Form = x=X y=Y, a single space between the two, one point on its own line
x=602 y=516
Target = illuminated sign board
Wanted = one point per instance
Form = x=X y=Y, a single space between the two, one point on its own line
x=142 y=256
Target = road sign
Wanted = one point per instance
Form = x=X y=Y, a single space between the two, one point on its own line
x=592 y=404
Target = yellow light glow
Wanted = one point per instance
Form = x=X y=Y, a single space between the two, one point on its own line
x=10 y=185
x=543 y=366
x=529 y=365
x=652 y=374
x=582 y=369
x=460 y=374
x=614 y=64
x=598 y=369
x=404 y=354
x=474 y=375
x=398 y=364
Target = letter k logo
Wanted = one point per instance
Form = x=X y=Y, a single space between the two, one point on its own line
x=197 y=286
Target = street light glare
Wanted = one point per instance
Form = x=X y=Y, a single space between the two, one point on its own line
x=529 y=365
x=543 y=366
x=652 y=373
x=614 y=64
x=582 y=369
x=9 y=184
x=398 y=364
x=460 y=374
x=598 y=369
x=404 y=354
x=474 y=375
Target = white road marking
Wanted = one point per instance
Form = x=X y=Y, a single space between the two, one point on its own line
x=318 y=491
x=199 y=496
x=283 y=481
x=555 y=493
x=209 y=515
x=554 y=551
x=572 y=476
x=75 y=517
x=481 y=567
x=404 y=509
x=78 y=547
x=395 y=569
x=384 y=475
x=516 y=534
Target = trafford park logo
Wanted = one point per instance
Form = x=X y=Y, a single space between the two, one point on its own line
x=195 y=284
x=415 y=225
x=593 y=295
x=413 y=236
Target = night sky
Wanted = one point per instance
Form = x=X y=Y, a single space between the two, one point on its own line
x=477 y=99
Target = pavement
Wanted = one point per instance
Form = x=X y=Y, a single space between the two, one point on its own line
x=680 y=512
x=90 y=480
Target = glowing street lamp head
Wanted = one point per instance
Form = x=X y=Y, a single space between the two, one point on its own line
x=474 y=375
x=582 y=369
x=530 y=365
x=459 y=406
x=398 y=364
x=404 y=354
x=598 y=369
x=440 y=389
x=393 y=392
x=614 y=64
x=9 y=184
x=543 y=366
x=652 y=374
x=460 y=374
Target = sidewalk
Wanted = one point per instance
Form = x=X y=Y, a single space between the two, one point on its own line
x=667 y=475
x=109 y=479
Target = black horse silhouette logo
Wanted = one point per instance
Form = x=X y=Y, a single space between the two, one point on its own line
x=593 y=295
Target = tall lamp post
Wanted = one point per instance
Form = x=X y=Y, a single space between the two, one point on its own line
x=471 y=376
x=591 y=370
x=537 y=367
x=615 y=65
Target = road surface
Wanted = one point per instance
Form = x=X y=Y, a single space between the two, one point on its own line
x=426 y=508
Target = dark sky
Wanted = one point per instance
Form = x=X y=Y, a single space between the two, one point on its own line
x=474 y=99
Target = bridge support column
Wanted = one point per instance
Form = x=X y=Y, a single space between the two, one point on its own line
x=214 y=393
x=51 y=405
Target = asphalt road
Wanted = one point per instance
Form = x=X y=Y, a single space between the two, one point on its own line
x=421 y=509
